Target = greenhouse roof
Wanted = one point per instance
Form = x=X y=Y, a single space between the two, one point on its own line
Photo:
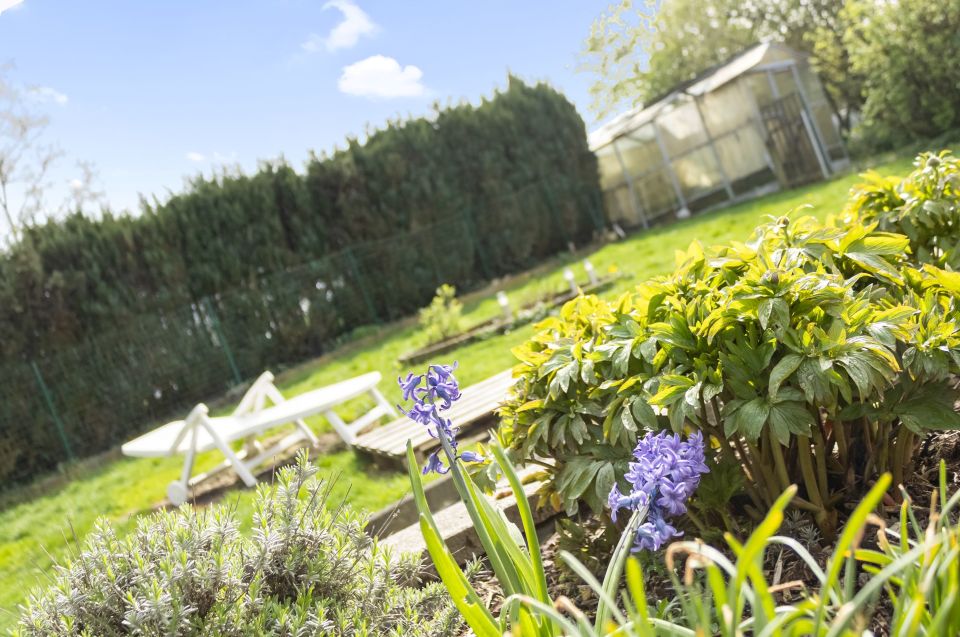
x=710 y=80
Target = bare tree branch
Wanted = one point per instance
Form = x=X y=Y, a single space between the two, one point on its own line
x=26 y=163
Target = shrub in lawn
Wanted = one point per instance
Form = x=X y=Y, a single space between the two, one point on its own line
x=307 y=567
x=441 y=319
x=814 y=354
x=925 y=206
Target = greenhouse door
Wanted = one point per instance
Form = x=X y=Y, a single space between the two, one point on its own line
x=790 y=141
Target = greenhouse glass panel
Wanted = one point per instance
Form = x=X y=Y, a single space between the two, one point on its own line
x=811 y=85
x=618 y=205
x=656 y=193
x=823 y=115
x=760 y=87
x=611 y=172
x=681 y=129
x=725 y=110
x=785 y=82
x=698 y=173
x=640 y=151
x=742 y=153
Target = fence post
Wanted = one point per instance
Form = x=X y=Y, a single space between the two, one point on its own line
x=352 y=262
x=215 y=324
x=53 y=410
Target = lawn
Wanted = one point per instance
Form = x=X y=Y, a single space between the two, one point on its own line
x=35 y=532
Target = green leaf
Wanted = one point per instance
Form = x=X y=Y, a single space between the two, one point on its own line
x=605 y=480
x=752 y=416
x=531 y=404
x=875 y=265
x=930 y=409
x=565 y=376
x=783 y=370
x=644 y=414
x=776 y=308
x=672 y=387
x=790 y=418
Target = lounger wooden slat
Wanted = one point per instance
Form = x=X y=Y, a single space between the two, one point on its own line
x=388 y=444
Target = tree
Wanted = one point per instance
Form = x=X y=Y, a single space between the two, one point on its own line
x=639 y=52
x=906 y=52
x=26 y=161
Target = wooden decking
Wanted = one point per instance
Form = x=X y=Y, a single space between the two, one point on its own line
x=388 y=444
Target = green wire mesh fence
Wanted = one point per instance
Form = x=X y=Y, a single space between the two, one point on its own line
x=92 y=396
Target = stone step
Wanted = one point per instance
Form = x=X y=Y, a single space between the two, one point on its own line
x=456 y=528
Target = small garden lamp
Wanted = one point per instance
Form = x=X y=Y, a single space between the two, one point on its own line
x=571 y=280
x=591 y=273
x=505 y=306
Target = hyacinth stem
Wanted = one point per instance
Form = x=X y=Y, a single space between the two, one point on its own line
x=465 y=496
x=611 y=580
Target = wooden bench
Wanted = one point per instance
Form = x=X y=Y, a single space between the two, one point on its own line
x=387 y=445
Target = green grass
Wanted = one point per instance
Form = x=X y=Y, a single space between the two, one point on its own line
x=33 y=533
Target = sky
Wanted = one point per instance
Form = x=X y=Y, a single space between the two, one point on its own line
x=153 y=92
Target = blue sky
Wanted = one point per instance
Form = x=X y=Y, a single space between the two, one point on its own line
x=152 y=92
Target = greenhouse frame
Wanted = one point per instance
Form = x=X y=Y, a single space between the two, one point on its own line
x=757 y=123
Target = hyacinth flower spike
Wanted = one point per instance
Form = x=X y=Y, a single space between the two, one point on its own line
x=664 y=474
x=438 y=393
x=517 y=563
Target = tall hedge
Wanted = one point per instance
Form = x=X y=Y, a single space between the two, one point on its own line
x=126 y=317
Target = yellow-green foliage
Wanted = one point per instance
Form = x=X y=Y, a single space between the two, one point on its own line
x=441 y=319
x=813 y=354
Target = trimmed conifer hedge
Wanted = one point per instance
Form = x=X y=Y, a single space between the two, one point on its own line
x=107 y=324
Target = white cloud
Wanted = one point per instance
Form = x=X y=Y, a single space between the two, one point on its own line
x=354 y=25
x=47 y=94
x=6 y=5
x=76 y=184
x=381 y=76
x=196 y=157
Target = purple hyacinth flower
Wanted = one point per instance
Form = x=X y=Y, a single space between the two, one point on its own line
x=438 y=393
x=435 y=464
x=422 y=413
x=441 y=385
x=471 y=456
x=665 y=473
x=632 y=501
x=654 y=533
x=673 y=496
x=409 y=385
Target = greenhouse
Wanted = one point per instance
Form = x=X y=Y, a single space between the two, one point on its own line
x=757 y=123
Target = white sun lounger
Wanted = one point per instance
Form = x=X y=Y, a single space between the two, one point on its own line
x=200 y=432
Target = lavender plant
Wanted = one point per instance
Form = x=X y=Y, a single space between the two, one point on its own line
x=306 y=568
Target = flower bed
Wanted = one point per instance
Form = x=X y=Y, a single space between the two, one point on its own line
x=805 y=369
x=499 y=325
